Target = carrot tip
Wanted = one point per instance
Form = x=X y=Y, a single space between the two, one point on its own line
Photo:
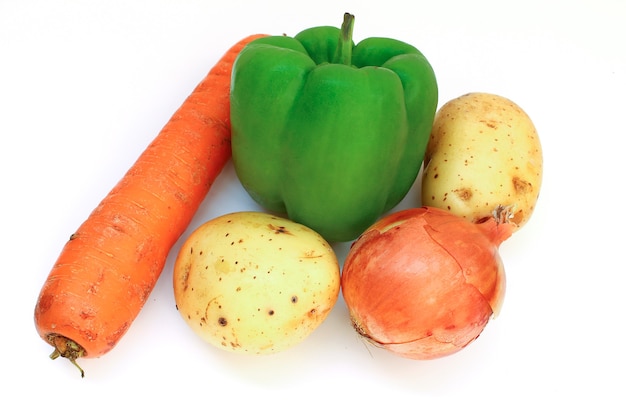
x=66 y=348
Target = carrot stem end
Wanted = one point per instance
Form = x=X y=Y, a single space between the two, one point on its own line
x=68 y=349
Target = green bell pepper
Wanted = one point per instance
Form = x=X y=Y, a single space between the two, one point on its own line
x=330 y=133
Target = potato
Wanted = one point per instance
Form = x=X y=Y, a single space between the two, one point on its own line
x=255 y=283
x=484 y=152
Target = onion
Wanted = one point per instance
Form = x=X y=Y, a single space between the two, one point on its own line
x=423 y=283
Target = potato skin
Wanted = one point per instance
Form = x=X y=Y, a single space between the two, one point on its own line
x=255 y=283
x=484 y=152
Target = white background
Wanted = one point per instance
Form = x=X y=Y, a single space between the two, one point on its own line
x=84 y=87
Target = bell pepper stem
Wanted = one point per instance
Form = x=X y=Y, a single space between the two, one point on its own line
x=344 y=46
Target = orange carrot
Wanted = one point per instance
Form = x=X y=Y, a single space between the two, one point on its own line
x=110 y=265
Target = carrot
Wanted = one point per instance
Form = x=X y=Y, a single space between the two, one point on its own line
x=109 y=266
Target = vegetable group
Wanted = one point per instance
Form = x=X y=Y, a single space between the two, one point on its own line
x=423 y=283
x=255 y=283
x=331 y=133
x=484 y=152
x=109 y=266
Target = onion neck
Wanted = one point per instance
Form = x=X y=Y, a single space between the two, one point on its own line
x=499 y=227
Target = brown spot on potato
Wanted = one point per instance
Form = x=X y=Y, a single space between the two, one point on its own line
x=184 y=278
x=521 y=186
x=492 y=124
x=464 y=194
x=279 y=230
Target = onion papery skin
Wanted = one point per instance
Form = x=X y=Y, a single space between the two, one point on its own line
x=423 y=283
